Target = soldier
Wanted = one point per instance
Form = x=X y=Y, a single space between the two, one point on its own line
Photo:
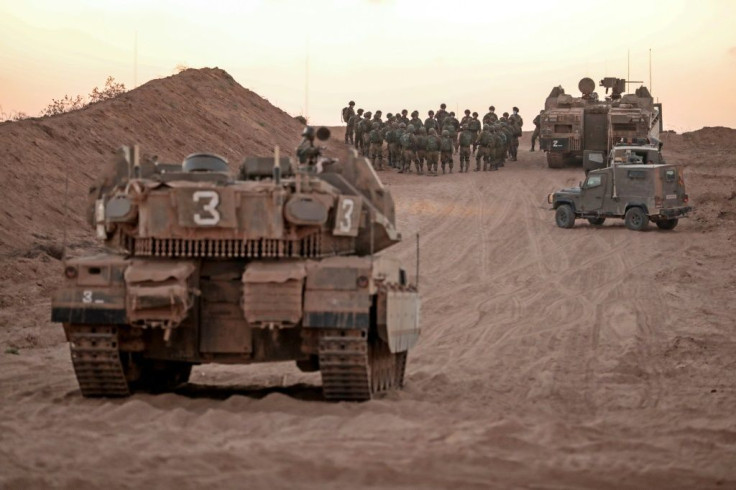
x=446 y=148
x=441 y=115
x=496 y=147
x=415 y=121
x=392 y=141
x=433 y=151
x=421 y=148
x=360 y=128
x=507 y=139
x=455 y=131
x=484 y=149
x=353 y=125
x=504 y=117
x=466 y=139
x=491 y=116
x=474 y=127
x=537 y=122
x=376 y=139
x=347 y=113
x=367 y=126
x=466 y=119
x=400 y=154
x=377 y=118
x=403 y=118
x=408 y=145
x=516 y=122
x=431 y=122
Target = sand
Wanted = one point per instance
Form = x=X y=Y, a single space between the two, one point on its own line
x=549 y=358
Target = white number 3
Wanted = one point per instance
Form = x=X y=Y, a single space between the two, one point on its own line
x=212 y=216
x=346 y=223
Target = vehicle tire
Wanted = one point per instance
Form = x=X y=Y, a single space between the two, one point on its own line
x=596 y=221
x=555 y=160
x=636 y=219
x=667 y=224
x=565 y=216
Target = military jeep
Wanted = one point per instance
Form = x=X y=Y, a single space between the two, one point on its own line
x=638 y=193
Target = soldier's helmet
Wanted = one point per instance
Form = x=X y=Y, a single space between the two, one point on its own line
x=432 y=131
x=351 y=103
x=492 y=108
x=443 y=106
x=505 y=114
x=410 y=128
x=515 y=109
x=308 y=132
x=467 y=111
x=422 y=130
x=452 y=114
x=368 y=114
x=378 y=113
x=389 y=115
x=360 y=111
x=402 y=125
x=431 y=113
x=475 y=114
x=414 y=113
x=445 y=133
x=376 y=125
x=404 y=112
x=541 y=111
x=486 y=127
x=395 y=125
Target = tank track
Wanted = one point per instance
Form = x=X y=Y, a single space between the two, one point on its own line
x=355 y=368
x=96 y=360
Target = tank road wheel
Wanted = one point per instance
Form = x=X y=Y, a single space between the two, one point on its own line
x=636 y=219
x=596 y=221
x=564 y=216
x=667 y=224
x=355 y=367
x=555 y=159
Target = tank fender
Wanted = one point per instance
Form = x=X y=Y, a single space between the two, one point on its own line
x=337 y=293
x=398 y=323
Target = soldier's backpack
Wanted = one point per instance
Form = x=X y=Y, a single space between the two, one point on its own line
x=389 y=136
x=485 y=138
x=446 y=144
x=406 y=141
x=466 y=137
x=376 y=136
x=346 y=114
x=474 y=125
x=433 y=143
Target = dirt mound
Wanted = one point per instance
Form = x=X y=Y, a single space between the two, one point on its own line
x=196 y=110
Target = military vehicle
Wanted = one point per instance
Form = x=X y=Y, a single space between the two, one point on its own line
x=631 y=187
x=581 y=129
x=276 y=262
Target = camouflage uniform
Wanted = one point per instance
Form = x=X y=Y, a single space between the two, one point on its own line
x=431 y=122
x=496 y=147
x=388 y=136
x=352 y=125
x=376 y=141
x=474 y=126
x=441 y=115
x=516 y=123
x=421 y=148
x=537 y=122
x=455 y=132
x=361 y=128
x=408 y=146
x=415 y=121
x=507 y=139
x=446 y=148
x=466 y=139
x=466 y=119
x=399 y=158
x=491 y=116
x=433 y=151
x=484 y=149
x=403 y=118
x=347 y=114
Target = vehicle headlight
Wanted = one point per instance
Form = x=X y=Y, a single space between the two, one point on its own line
x=550 y=198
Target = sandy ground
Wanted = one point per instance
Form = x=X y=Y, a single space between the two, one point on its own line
x=550 y=358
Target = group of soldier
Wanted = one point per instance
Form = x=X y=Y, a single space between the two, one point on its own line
x=491 y=140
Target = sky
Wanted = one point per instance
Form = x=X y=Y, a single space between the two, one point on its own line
x=312 y=57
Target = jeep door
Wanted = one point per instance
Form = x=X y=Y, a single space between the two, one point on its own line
x=593 y=192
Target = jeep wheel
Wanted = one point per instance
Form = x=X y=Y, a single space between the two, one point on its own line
x=636 y=219
x=667 y=224
x=596 y=221
x=564 y=216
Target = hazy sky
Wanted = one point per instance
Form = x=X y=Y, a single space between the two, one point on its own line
x=385 y=55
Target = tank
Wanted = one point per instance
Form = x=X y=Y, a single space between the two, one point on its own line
x=279 y=261
x=584 y=129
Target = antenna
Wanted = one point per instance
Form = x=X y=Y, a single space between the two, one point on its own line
x=628 y=64
x=650 y=71
x=306 y=83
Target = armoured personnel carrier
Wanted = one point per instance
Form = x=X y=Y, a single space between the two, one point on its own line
x=575 y=129
x=274 y=263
